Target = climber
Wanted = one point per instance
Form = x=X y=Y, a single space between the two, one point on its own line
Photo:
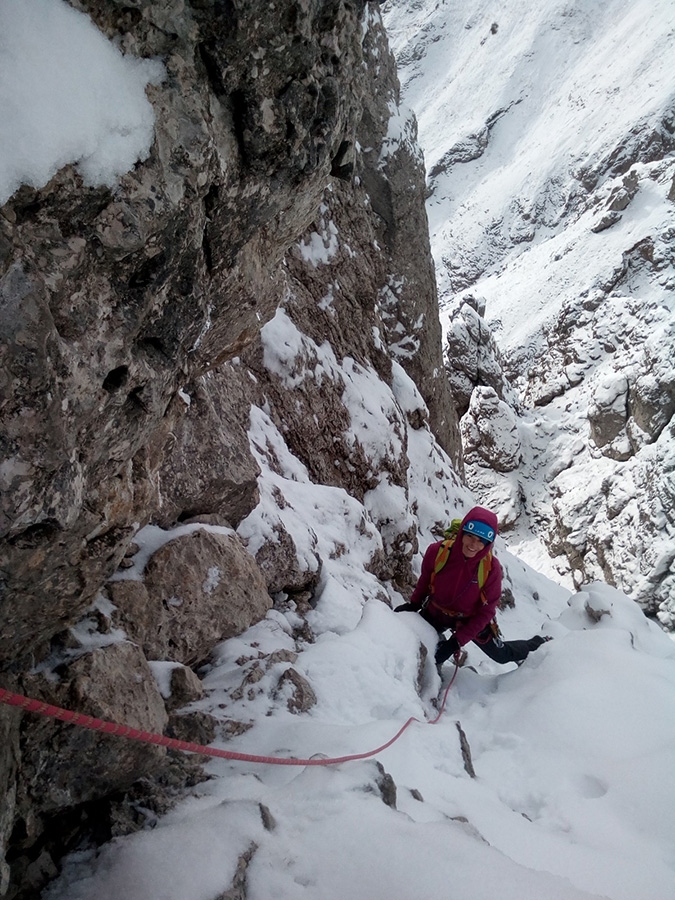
x=459 y=590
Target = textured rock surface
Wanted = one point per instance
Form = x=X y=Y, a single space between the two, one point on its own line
x=112 y=683
x=131 y=354
x=472 y=355
x=198 y=589
x=115 y=300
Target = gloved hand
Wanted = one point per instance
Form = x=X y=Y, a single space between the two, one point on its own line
x=406 y=607
x=446 y=649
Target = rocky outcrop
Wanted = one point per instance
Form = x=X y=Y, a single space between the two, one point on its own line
x=283 y=176
x=490 y=432
x=116 y=299
x=197 y=589
x=473 y=358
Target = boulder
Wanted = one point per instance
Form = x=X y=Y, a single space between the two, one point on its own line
x=201 y=588
x=490 y=431
x=113 y=683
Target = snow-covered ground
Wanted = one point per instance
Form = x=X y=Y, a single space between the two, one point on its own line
x=573 y=752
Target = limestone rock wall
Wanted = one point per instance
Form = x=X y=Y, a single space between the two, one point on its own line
x=130 y=352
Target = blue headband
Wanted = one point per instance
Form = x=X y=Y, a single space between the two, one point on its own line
x=480 y=529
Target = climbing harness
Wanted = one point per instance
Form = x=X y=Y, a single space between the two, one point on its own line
x=65 y=715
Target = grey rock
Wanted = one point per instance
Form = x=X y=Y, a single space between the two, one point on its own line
x=301 y=696
x=490 y=431
x=472 y=356
x=185 y=688
x=237 y=890
x=207 y=467
x=113 y=683
x=282 y=567
x=202 y=587
x=195 y=727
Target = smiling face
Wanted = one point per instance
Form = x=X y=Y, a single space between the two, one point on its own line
x=471 y=545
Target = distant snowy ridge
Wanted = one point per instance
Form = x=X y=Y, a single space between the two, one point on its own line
x=549 y=136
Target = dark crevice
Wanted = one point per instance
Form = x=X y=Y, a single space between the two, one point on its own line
x=35 y=535
x=146 y=274
x=116 y=379
x=239 y=109
x=192 y=514
x=213 y=70
x=135 y=397
x=211 y=201
x=153 y=344
x=342 y=165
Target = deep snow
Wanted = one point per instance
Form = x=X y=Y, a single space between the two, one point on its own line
x=573 y=752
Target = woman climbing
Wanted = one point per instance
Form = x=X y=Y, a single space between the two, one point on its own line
x=459 y=590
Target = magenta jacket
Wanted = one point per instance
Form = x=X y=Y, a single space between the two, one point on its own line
x=456 y=602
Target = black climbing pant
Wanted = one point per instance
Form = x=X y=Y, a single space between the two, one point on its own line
x=505 y=651
x=498 y=650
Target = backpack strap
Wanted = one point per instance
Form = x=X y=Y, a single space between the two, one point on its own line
x=484 y=567
x=442 y=556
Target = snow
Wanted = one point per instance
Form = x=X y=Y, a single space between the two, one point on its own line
x=321 y=246
x=161 y=671
x=573 y=752
x=532 y=122
x=150 y=538
x=67 y=95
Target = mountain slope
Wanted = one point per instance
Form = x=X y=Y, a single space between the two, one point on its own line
x=549 y=137
x=572 y=752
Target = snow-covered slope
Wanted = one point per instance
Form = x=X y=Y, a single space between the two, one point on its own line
x=573 y=785
x=552 y=780
x=548 y=133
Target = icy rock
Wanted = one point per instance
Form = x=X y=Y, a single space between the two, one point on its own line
x=300 y=694
x=283 y=568
x=652 y=402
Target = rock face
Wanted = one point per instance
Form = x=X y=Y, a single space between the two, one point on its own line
x=282 y=173
x=197 y=590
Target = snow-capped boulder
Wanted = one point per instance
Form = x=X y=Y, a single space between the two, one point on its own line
x=201 y=587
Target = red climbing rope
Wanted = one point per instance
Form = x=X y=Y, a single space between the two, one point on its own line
x=65 y=715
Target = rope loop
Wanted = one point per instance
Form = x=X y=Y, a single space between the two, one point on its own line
x=93 y=724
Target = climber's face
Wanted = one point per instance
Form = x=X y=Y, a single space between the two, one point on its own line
x=471 y=545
